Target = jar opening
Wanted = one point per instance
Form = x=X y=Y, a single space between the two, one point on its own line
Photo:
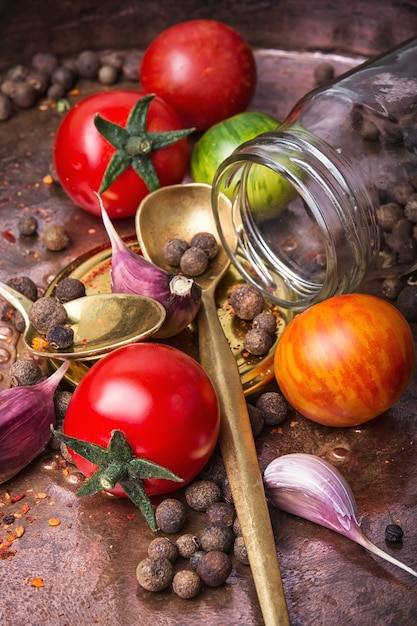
x=301 y=234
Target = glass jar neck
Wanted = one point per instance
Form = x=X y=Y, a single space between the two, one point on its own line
x=304 y=221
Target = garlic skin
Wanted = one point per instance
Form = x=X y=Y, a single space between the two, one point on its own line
x=132 y=273
x=310 y=487
x=26 y=416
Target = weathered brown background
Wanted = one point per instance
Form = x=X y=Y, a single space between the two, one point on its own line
x=71 y=25
x=88 y=562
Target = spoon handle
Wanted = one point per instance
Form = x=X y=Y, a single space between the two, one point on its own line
x=17 y=300
x=241 y=463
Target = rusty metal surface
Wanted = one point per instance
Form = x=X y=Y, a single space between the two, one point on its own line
x=88 y=562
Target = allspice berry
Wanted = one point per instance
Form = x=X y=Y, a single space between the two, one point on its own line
x=163 y=547
x=273 y=406
x=55 y=237
x=201 y=493
x=214 y=568
x=216 y=537
x=186 y=584
x=247 y=301
x=170 y=515
x=187 y=545
x=155 y=574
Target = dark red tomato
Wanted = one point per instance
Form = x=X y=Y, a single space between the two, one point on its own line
x=81 y=154
x=161 y=400
x=345 y=360
x=203 y=68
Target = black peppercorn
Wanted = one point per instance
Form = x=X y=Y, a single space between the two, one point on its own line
x=273 y=406
x=207 y=242
x=69 y=289
x=163 y=547
x=266 y=322
x=247 y=301
x=187 y=545
x=394 y=533
x=216 y=537
x=214 y=568
x=170 y=515
x=25 y=286
x=27 y=225
x=173 y=251
x=45 y=313
x=257 y=341
x=222 y=513
x=55 y=237
x=194 y=262
x=60 y=337
x=186 y=584
x=155 y=574
x=200 y=494
x=24 y=372
x=239 y=551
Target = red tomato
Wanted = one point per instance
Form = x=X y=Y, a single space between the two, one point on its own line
x=203 y=68
x=345 y=360
x=81 y=154
x=161 y=400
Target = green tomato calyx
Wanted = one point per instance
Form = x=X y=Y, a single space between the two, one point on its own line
x=134 y=145
x=117 y=465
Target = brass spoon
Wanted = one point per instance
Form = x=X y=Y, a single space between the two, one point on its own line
x=101 y=323
x=182 y=211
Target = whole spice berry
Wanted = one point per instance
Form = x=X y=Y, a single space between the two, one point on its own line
x=60 y=337
x=216 y=537
x=25 y=286
x=186 y=584
x=170 y=515
x=24 y=96
x=163 y=547
x=44 y=62
x=236 y=527
x=226 y=491
x=27 y=225
x=391 y=287
x=256 y=419
x=6 y=107
x=187 y=545
x=155 y=574
x=64 y=76
x=214 y=470
x=222 y=513
x=25 y=372
x=394 y=533
x=207 y=242
x=88 y=64
x=273 y=406
x=47 y=312
x=239 y=551
x=55 y=238
x=265 y=321
x=69 y=289
x=247 y=301
x=173 y=251
x=257 y=341
x=214 y=568
x=323 y=72
x=61 y=402
x=194 y=262
x=201 y=493
x=56 y=92
x=107 y=75
x=407 y=302
x=196 y=558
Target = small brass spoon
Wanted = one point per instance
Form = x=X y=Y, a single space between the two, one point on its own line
x=182 y=211
x=101 y=323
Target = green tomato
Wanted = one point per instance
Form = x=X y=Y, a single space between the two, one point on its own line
x=268 y=192
x=220 y=140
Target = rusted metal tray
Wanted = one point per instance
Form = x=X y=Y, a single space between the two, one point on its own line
x=83 y=553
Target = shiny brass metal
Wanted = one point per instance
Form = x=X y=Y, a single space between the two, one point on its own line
x=182 y=211
x=101 y=323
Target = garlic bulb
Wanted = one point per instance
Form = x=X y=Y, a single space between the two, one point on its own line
x=131 y=273
x=310 y=487
x=27 y=413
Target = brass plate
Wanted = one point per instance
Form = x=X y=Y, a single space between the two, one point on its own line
x=93 y=269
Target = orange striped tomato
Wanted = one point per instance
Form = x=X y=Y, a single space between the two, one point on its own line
x=345 y=360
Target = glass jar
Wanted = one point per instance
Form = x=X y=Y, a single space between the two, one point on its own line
x=329 y=199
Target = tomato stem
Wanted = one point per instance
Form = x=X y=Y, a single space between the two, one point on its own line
x=116 y=464
x=135 y=141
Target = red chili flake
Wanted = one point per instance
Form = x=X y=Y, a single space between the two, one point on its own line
x=8 y=235
x=14 y=499
x=37 y=582
x=130 y=516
